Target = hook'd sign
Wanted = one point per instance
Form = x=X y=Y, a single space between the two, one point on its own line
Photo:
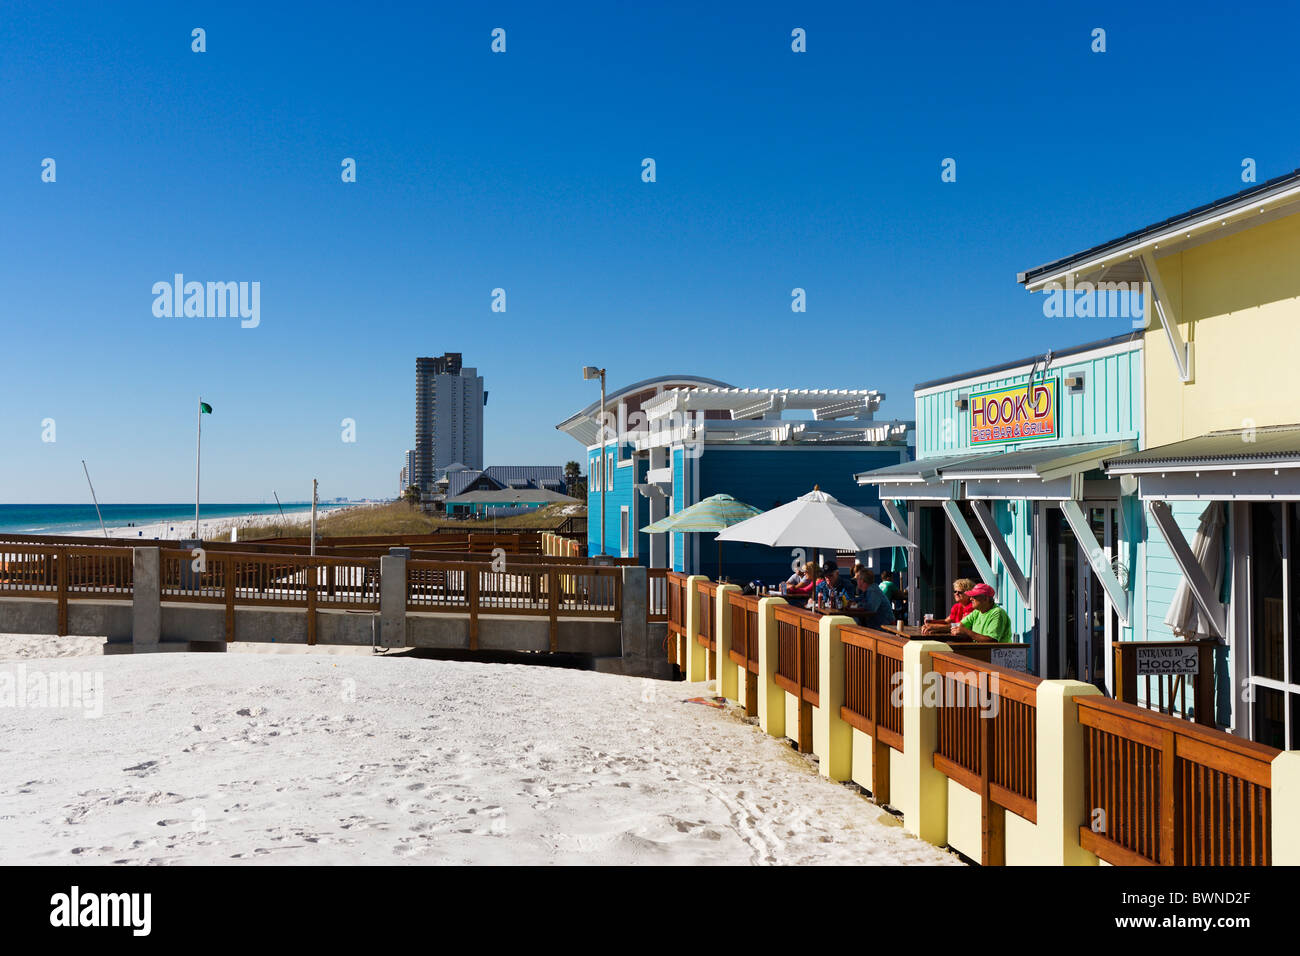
x=1013 y=413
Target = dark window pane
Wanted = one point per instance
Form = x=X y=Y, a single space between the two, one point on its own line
x=1269 y=727
x=1266 y=600
x=1293 y=589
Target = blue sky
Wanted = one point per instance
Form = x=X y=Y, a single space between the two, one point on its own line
x=521 y=170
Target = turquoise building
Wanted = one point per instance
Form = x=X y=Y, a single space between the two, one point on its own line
x=674 y=440
x=1007 y=487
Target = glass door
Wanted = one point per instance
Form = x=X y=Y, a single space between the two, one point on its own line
x=1272 y=693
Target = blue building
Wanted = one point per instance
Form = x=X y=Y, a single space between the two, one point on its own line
x=1008 y=488
x=674 y=440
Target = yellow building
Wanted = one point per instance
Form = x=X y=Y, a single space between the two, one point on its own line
x=1218 y=470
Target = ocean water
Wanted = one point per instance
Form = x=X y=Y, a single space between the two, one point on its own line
x=75 y=519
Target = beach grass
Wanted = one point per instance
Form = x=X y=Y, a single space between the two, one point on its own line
x=401 y=518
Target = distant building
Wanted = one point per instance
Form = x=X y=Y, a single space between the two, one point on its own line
x=503 y=501
x=674 y=440
x=449 y=400
x=402 y=482
x=459 y=479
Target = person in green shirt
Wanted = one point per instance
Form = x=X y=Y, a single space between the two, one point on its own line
x=988 y=622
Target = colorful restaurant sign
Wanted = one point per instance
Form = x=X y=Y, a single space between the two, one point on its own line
x=1013 y=413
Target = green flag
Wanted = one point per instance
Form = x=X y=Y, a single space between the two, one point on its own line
x=205 y=408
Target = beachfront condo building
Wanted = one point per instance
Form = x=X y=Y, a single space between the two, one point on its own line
x=449 y=400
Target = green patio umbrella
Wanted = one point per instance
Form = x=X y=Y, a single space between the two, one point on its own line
x=715 y=513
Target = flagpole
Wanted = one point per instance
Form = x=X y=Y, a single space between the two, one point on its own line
x=198 y=447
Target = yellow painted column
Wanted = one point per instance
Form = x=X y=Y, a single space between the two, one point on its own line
x=835 y=756
x=924 y=794
x=771 y=698
x=1060 y=775
x=1286 y=808
x=697 y=657
x=727 y=671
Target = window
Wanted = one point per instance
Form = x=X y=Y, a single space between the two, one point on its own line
x=623 y=532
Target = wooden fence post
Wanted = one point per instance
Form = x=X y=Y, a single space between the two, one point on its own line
x=471 y=594
x=61 y=570
x=993 y=818
x=309 y=579
x=553 y=606
x=228 y=571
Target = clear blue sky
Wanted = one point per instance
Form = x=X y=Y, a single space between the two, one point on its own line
x=522 y=171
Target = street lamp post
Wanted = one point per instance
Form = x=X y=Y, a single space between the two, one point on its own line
x=589 y=372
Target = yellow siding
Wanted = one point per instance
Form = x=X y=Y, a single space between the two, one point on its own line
x=1238 y=300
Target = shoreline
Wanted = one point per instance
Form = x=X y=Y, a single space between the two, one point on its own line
x=209 y=528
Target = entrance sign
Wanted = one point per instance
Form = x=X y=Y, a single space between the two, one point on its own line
x=1013 y=413
x=1154 y=661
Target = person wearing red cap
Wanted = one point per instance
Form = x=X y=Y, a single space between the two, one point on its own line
x=988 y=622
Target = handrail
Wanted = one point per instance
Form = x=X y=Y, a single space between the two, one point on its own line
x=988 y=731
x=798 y=666
x=1161 y=790
x=873 y=670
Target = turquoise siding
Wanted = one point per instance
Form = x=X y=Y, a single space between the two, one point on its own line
x=619 y=493
x=679 y=502
x=1162 y=574
x=1108 y=409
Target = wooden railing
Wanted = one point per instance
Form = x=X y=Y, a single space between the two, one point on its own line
x=676 y=617
x=873 y=671
x=656 y=598
x=988 y=739
x=546 y=592
x=1161 y=790
x=798 y=668
x=744 y=643
x=1190 y=696
x=64 y=574
x=708 y=592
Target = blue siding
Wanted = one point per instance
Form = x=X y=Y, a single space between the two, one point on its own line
x=765 y=476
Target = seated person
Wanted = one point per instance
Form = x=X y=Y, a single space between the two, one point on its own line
x=988 y=622
x=871 y=599
x=801 y=577
x=962 y=605
x=829 y=594
x=889 y=587
x=804 y=588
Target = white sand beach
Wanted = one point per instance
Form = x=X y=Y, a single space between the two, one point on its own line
x=211 y=529
x=318 y=759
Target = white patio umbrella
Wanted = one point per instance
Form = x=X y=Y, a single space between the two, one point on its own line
x=816 y=520
x=1184 y=616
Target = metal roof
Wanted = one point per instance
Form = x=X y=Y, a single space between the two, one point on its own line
x=1269 y=447
x=573 y=422
x=525 y=476
x=1044 y=463
x=1196 y=218
x=1057 y=356
x=505 y=496
x=917 y=470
